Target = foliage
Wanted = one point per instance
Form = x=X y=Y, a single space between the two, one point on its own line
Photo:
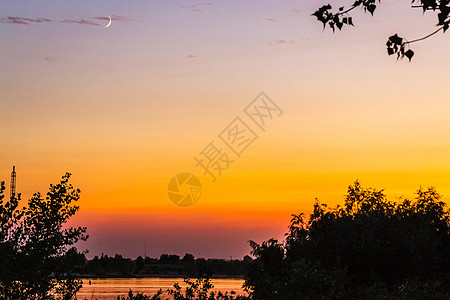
x=36 y=260
x=395 y=44
x=368 y=248
x=141 y=296
x=197 y=289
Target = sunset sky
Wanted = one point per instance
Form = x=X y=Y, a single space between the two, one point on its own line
x=126 y=108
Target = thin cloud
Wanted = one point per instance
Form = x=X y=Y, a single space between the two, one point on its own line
x=123 y=19
x=281 y=42
x=270 y=20
x=50 y=58
x=47 y=58
x=191 y=56
x=94 y=21
x=196 y=6
x=82 y=22
x=23 y=21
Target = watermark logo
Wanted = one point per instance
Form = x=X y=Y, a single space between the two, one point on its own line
x=238 y=136
x=184 y=189
x=220 y=154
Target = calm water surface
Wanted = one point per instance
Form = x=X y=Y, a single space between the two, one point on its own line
x=110 y=288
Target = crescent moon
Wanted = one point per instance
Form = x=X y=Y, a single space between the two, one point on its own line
x=110 y=20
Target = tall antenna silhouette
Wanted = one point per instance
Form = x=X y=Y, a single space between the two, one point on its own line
x=13 y=183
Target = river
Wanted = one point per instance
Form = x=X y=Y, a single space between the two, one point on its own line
x=110 y=288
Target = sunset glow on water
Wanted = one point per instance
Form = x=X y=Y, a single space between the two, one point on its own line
x=110 y=288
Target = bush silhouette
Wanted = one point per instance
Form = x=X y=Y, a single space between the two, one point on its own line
x=198 y=289
x=368 y=248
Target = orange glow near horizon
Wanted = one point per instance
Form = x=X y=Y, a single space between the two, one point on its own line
x=126 y=108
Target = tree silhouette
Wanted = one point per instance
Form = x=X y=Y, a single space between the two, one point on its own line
x=35 y=258
x=395 y=44
x=368 y=248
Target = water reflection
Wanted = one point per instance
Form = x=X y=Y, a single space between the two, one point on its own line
x=110 y=288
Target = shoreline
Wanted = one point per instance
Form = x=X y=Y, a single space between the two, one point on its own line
x=90 y=276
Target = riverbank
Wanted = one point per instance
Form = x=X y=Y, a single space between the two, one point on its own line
x=117 y=276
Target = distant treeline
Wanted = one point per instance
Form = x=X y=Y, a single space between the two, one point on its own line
x=169 y=265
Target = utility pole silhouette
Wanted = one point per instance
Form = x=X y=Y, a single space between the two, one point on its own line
x=13 y=183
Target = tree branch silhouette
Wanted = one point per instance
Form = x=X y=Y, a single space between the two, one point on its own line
x=395 y=44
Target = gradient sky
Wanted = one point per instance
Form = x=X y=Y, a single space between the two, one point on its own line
x=127 y=107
